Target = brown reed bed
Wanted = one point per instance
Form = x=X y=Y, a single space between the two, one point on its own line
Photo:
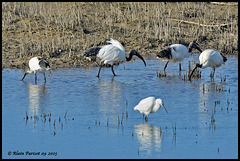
x=42 y=28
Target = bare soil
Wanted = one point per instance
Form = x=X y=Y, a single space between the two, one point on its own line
x=42 y=28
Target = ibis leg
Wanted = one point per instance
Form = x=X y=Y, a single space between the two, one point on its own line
x=35 y=78
x=165 y=66
x=180 y=69
x=100 y=67
x=44 y=77
x=24 y=76
x=212 y=72
x=113 y=70
x=146 y=118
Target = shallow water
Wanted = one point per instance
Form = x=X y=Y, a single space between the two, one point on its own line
x=77 y=115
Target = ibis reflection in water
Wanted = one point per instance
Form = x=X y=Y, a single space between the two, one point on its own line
x=149 y=105
x=37 y=64
x=37 y=96
x=209 y=58
x=111 y=53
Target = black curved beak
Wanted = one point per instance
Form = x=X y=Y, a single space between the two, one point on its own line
x=192 y=73
x=134 y=52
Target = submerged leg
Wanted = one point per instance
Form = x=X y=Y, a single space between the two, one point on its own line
x=212 y=72
x=146 y=118
x=113 y=70
x=44 y=77
x=180 y=69
x=35 y=78
x=100 y=67
x=165 y=66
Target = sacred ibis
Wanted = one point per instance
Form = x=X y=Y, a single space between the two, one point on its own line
x=111 y=53
x=209 y=58
x=37 y=64
x=177 y=52
x=149 y=105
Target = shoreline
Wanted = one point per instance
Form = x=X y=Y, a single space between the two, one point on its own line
x=147 y=27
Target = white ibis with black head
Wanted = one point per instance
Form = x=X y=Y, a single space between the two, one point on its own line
x=111 y=53
x=37 y=64
x=149 y=105
x=177 y=52
x=209 y=58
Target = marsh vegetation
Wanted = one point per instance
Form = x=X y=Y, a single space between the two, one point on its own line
x=42 y=28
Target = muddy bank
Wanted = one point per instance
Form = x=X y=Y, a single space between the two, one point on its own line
x=42 y=29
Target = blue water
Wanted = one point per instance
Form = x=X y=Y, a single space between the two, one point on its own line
x=94 y=118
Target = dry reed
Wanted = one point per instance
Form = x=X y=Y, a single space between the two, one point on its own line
x=41 y=28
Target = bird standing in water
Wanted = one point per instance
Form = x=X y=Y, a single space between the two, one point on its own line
x=37 y=64
x=209 y=58
x=177 y=52
x=149 y=105
x=111 y=53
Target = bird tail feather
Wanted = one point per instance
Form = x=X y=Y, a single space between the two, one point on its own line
x=112 y=41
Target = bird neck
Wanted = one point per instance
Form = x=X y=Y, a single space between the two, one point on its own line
x=189 y=48
x=130 y=56
x=198 y=65
x=156 y=107
x=193 y=45
x=133 y=52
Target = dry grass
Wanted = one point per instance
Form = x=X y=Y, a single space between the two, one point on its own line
x=41 y=28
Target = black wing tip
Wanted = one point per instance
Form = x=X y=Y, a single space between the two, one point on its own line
x=93 y=51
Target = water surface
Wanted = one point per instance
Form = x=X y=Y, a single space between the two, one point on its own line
x=76 y=115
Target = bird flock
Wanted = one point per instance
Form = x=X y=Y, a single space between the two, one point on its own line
x=114 y=53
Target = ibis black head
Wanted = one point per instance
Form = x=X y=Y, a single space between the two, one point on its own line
x=165 y=53
x=195 y=45
x=134 y=52
x=224 y=58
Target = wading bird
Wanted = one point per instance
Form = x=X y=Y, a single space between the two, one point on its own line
x=209 y=58
x=111 y=53
x=176 y=53
x=149 y=105
x=37 y=64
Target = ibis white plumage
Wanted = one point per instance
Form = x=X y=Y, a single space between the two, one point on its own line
x=111 y=53
x=209 y=58
x=177 y=52
x=37 y=64
x=149 y=105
